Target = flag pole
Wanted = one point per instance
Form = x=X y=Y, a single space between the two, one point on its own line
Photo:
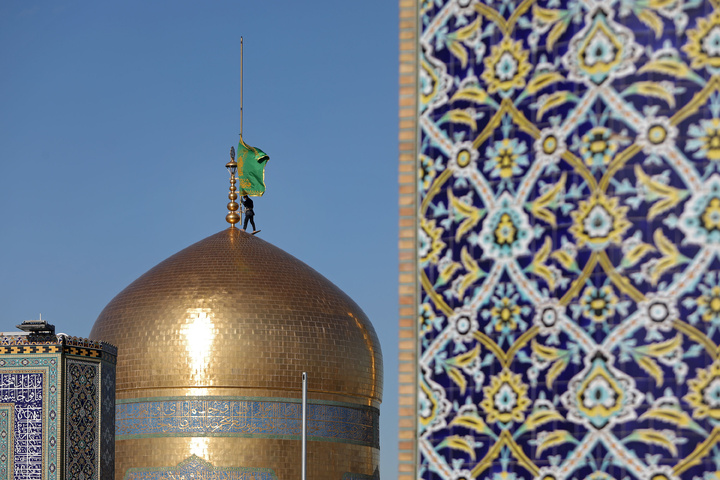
x=241 y=86
x=242 y=210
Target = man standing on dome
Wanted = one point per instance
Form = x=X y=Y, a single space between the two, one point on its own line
x=249 y=213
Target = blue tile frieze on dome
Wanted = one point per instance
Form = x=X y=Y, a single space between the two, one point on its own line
x=229 y=417
x=568 y=239
x=196 y=468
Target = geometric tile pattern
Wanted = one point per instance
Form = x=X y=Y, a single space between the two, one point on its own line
x=76 y=346
x=82 y=421
x=25 y=349
x=7 y=414
x=107 y=420
x=227 y=416
x=197 y=468
x=568 y=246
x=408 y=220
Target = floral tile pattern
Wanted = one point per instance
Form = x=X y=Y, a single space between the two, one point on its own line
x=82 y=424
x=569 y=239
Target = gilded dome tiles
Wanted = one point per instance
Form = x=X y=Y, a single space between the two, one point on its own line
x=569 y=192
x=214 y=341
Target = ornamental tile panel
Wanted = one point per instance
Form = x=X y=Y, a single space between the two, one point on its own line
x=82 y=420
x=196 y=468
x=7 y=440
x=208 y=416
x=30 y=397
x=107 y=421
x=568 y=239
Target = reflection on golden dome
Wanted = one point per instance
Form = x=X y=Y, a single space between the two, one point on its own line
x=234 y=319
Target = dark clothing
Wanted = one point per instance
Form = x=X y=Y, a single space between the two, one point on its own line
x=249 y=218
x=249 y=213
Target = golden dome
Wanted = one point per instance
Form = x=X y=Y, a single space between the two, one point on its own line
x=234 y=317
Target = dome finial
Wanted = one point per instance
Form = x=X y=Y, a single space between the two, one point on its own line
x=232 y=217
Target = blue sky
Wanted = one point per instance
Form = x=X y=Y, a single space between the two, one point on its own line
x=116 y=119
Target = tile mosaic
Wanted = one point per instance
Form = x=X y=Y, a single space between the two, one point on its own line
x=82 y=420
x=7 y=440
x=29 y=388
x=208 y=416
x=197 y=468
x=50 y=425
x=568 y=239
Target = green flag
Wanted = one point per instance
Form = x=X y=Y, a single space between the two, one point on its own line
x=251 y=169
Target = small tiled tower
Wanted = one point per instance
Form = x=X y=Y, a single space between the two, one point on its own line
x=57 y=407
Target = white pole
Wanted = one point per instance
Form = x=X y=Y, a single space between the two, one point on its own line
x=304 y=426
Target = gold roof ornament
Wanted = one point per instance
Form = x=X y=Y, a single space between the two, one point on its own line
x=232 y=217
